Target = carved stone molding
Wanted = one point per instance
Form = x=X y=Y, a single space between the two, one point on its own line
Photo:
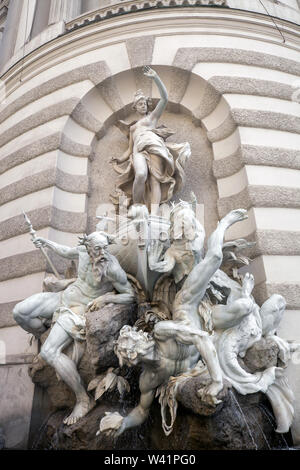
x=132 y=6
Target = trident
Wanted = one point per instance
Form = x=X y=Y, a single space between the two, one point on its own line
x=33 y=234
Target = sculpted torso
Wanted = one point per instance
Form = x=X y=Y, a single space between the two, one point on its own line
x=86 y=287
x=177 y=357
x=138 y=130
x=171 y=358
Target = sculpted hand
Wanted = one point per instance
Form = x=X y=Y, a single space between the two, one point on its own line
x=112 y=424
x=209 y=393
x=99 y=302
x=150 y=73
x=39 y=242
x=155 y=250
x=118 y=159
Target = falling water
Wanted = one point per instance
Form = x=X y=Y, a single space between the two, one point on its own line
x=261 y=430
x=244 y=418
x=40 y=432
x=271 y=420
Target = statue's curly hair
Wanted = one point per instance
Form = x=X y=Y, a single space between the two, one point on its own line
x=132 y=342
x=138 y=95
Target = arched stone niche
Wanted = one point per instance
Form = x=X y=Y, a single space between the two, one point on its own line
x=195 y=111
x=199 y=175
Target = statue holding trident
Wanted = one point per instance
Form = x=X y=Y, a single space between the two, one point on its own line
x=155 y=169
x=100 y=280
x=33 y=234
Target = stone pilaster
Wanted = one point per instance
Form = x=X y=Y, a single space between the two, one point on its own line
x=63 y=10
x=9 y=34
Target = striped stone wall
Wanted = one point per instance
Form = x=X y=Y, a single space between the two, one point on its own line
x=231 y=74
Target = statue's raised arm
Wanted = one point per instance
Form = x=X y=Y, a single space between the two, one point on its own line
x=156 y=114
x=61 y=250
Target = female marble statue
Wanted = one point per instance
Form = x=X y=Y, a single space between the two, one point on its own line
x=155 y=169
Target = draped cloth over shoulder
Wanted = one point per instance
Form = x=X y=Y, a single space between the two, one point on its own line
x=170 y=171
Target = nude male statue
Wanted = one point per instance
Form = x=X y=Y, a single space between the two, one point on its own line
x=187 y=241
x=177 y=344
x=99 y=276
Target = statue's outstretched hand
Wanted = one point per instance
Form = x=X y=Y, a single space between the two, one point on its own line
x=155 y=250
x=112 y=424
x=95 y=304
x=99 y=302
x=39 y=242
x=150 y=73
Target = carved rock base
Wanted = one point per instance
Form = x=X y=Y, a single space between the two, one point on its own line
x=241 y=423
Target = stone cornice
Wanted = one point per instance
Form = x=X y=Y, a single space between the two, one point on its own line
x=133 y=6
x=117 y=8
x=114 y=30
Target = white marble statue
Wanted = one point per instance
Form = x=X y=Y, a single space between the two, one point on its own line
x=176 y=344
x=240 y=324
x=187 y=237
x=155 y=169
x=100 y=280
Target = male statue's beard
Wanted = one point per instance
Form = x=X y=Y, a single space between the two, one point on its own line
x=100 y=265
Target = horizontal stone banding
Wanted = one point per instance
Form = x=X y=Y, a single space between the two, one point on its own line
x=261 y=196
x=22 y=265
x=6 y=316
x=41 y=117
x=289 y=291
x=251 y=86
x=256 y=155
x=271 y=156
x=44 y=217
x=30 y=151
x=273 y=243
x=71 y=147
x=31 y=262
x=44 y=179
x=75 y=90
x=188 y=57
x=277 y=242
x=266 y=120
x=95 y=72
x=85 y=119
x=229 y=165
x=222 y=131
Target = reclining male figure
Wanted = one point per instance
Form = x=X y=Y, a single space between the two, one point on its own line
x=99 y=276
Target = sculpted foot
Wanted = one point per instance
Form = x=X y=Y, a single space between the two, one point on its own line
x=234 y=216
x=81 y=409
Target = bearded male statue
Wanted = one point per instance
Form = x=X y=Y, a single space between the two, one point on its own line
x=100 y=280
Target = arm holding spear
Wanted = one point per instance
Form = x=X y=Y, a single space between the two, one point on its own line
x=39 y=244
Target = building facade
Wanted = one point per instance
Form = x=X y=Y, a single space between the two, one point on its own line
x=69 y=70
